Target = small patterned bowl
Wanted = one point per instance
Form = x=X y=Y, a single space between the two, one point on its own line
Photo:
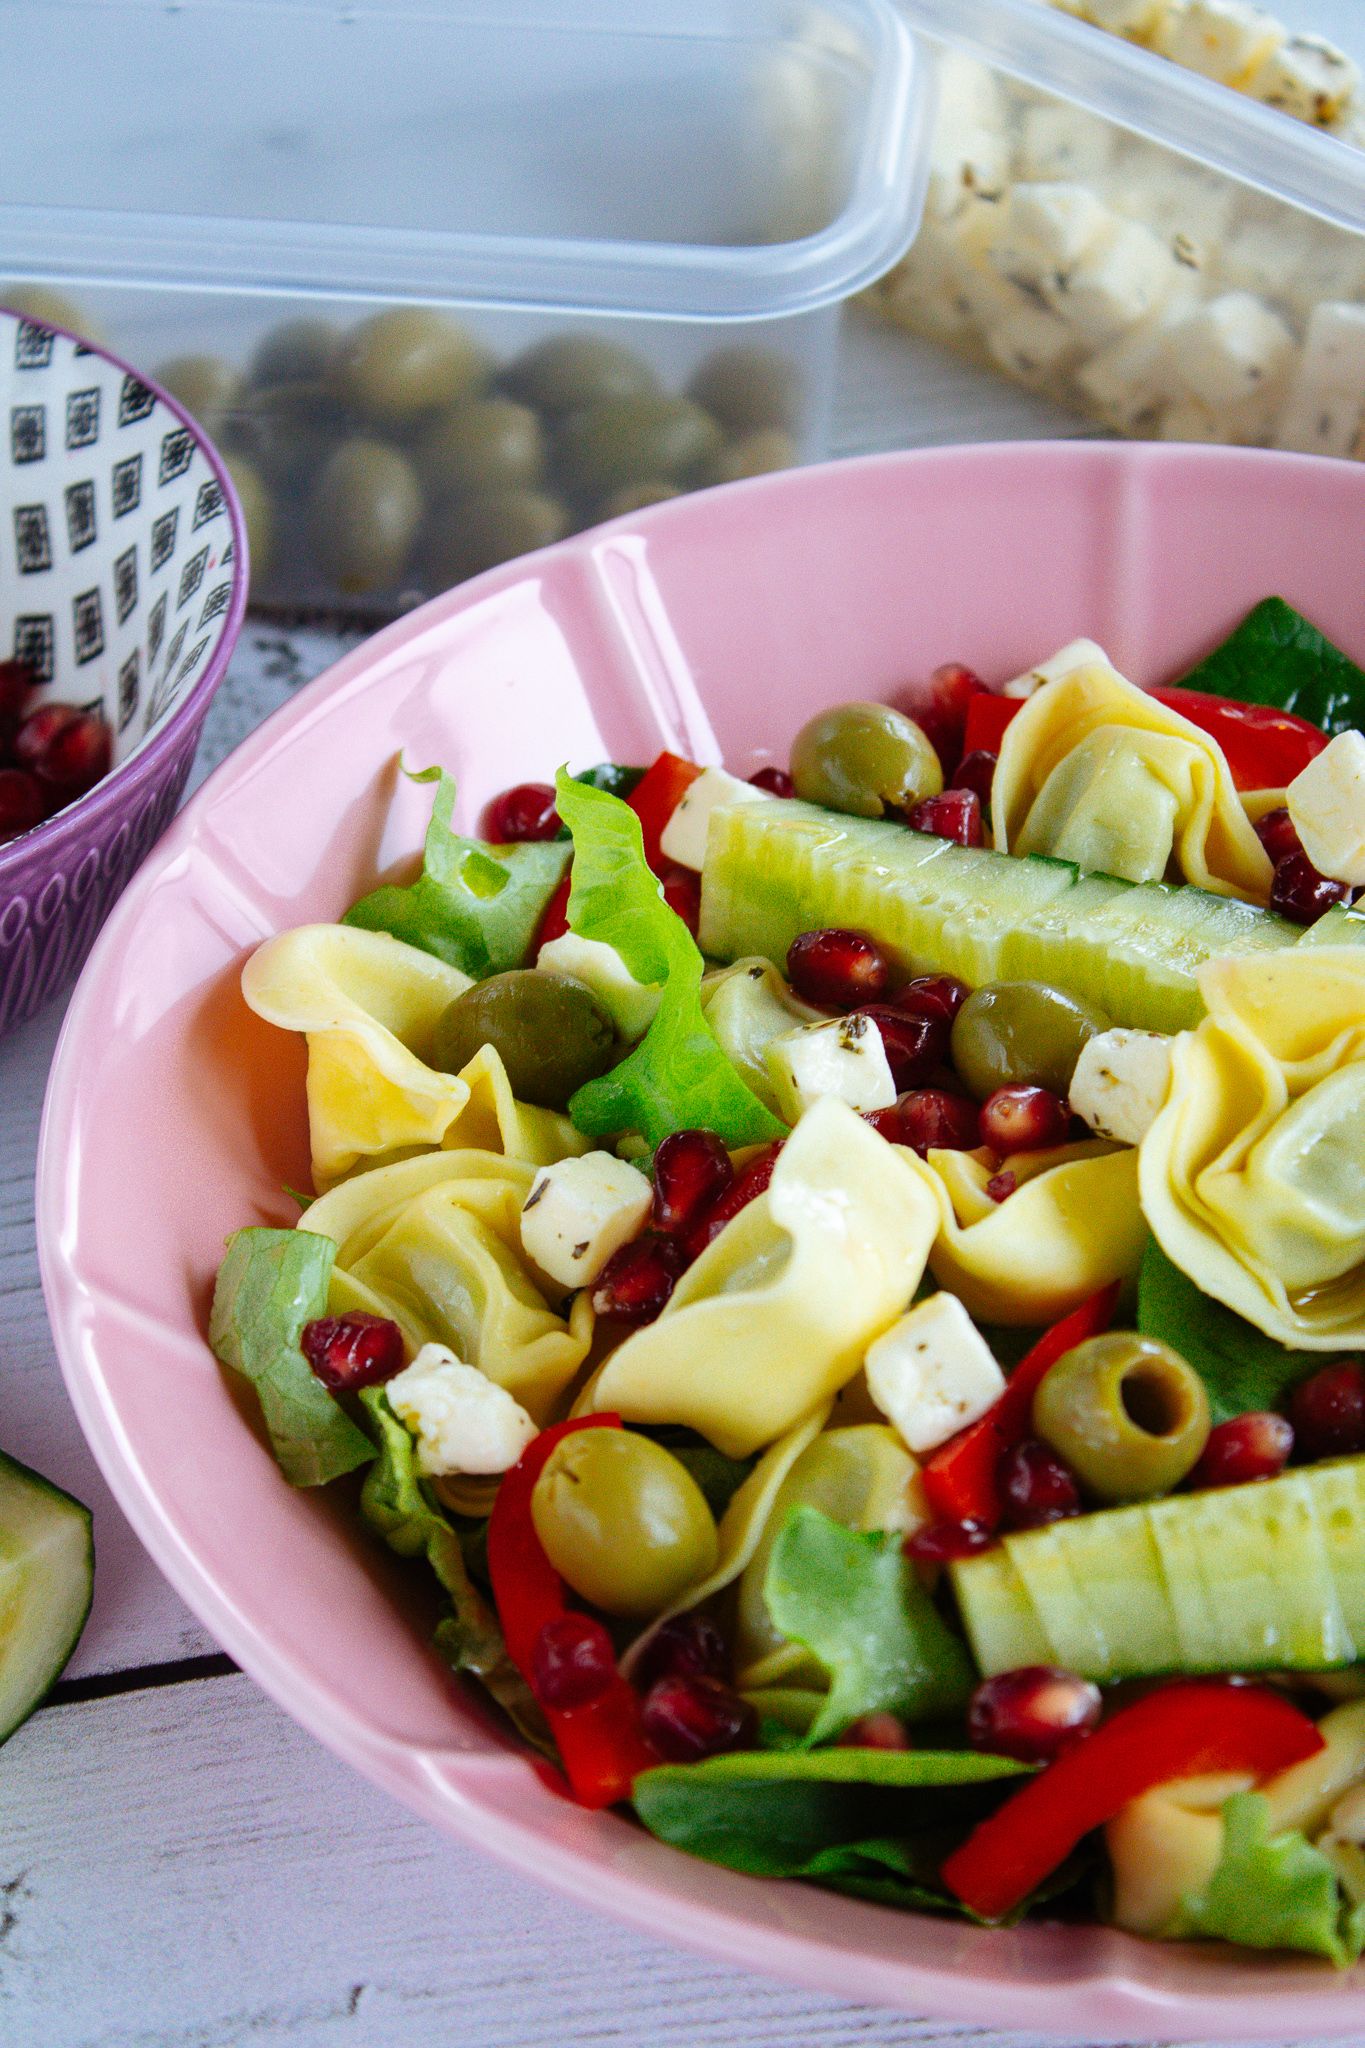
x=123 y=579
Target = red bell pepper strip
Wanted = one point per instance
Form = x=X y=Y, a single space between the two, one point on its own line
x=987 y=717
x=601 y=1745
x=960 y=1478
x=555 y=922
x=1264 y=748
x=1180 y=1731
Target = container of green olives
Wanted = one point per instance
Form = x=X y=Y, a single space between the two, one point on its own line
x=568 y=261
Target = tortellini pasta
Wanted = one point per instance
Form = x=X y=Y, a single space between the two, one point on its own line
x=1251 y=1175
x=1096 y=771
x=747 y=1006
x=777 y=1312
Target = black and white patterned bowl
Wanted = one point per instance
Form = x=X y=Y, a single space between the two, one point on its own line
x=123 y=578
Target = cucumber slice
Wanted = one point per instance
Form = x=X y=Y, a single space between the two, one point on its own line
x=996 y=1609
x=1342 y=925
x=47 y=1577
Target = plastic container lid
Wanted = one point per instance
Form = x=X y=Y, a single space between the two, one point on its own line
x=693 y=159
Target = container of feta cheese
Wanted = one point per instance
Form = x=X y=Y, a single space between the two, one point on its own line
x=1152 y=211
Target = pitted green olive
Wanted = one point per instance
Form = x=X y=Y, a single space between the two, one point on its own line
x=258 y=511
x=470 y=534
x=289 y=430
x=1021 y=1033
x=652 y=490
x=299 y=352
x=483 y=444
x=363 y=516
x=406 y=361
x=1126 y=1413
x=546 y=1029
x=569 y=370
x=205 y=385
x=748 y=388
x=755 y=454
x=37 y=302
x=622 y=1521
x=862 y=757
x=625 y=440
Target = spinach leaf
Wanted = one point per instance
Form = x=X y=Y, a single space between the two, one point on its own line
x=1272 y=1891
x=1243 y=1370
x=270 y=1284
x=1276 y=657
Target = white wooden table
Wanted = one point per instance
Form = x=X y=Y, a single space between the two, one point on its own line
x=181 y=1867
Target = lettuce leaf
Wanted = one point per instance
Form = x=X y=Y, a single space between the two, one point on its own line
x=1243 y=1370
x=1276 y=657
x=1272 y=1891
x=677 y=1078
x=476 y=907
x=270 y=1284
x=857 y=1606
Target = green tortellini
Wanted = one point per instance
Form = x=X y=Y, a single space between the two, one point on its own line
x=747 y=1006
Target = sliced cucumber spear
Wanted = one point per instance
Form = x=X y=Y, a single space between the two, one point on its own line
x=47 y=1576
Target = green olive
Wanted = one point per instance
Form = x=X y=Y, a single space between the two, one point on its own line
x=258 y=511
x=756 y=454
x=1126 y=1412
x=483 y=444
x=747 y=389
x=626 y=440
x=1021 y=1033
x=36 y=302
x=862 y=757
x=546 y=1028
x=205 y=385
x=299 y=352
x=622 y=1521
x=651 y=490
x=406 y=361
x=363 y=516
x=569 y=370
x=470 y=534
x=289 y=430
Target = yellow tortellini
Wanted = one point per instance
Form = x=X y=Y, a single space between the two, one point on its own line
x=1096 y=771
x=777 y=1312
x=747 y=1006
x=1251 y=1175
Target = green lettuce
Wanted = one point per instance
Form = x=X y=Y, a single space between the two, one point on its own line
x=1243 y=1370
x=855 y=1603
x=1272 y=1891
x=1276 y=657
x=270 y=1284
x=677 y=1078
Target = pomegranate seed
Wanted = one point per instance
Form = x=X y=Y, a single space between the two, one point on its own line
x=17 y=682
x=839 y=969
x=682 y=893
x=1278 y=834
x=941 y=711
x=637 y=1280
x=1300 y=893
x=932 y=995
x=356 y=1350
x=1328 y=1412
x=1033 y=1714
x=688 y=1646
x=1024 y=1118
x=77 y=756
x=574 y=1662
x=1254 y=1446
x=914 y=1044
x=882 y=1730
x=977 y=771
x=1001 y=1186
x=524 y=812
x=955 y=815
x=941 y=1541
x=39 y=730
x=689 y=1716
x=928 y=1119
x=1036 y=1486
x=749 y=1184
x=776 y=780
x=22 y=805
x=692 y=1170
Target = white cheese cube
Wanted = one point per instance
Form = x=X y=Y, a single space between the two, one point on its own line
x=922 y=292
x=580 y=1211
x=964 y=163
x=1031 y=344
x=1129 y=272
x=1334 y=347
x=932 y=1373
x=1046 y=228
x=1170 y=196
x=1059 y=141
x=1131 y=378
x=1327 y=805
x=968 y=93
x=462 y=1420
x=1258 y=256
x=1232 y=348
x=683 y=838
x=1185 y=419
x=1225 y=39
x=630 y=1004
x=1120 y=1082
x=1308 y=77
x=1317 y=421
x=972 y=239
x=844 y=1058
x=1076 y=654
x=1139 y=20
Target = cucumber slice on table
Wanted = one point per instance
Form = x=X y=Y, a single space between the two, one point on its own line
x=47 y=1576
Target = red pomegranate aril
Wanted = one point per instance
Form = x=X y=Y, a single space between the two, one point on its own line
x=637 y=1280
x=527 y=811
x=914 y=1044
x=17 y=682
x=955 y=815
x=1301 y=894
x=1328 y=1412
x=38 y=731
x=1035 y=1486
x=682 y=893
x=750 y=1182
x=1023 y=1118
x=22 y=803
x=941 y=711
x=1278 y=834
x=1248 y=1447
x=689 y=1716
x=880 y=1730
x=350 y=1351
x=1032 y=1714
x=976 y=771
x=688 y=1646
x=941 y=1541
x=775 y=780
x=929 y=1119
x=841 y=970
x=692 y=1170
x=1001 y=1186
x=931 y=995
x=573 y=1662
x=77 y=756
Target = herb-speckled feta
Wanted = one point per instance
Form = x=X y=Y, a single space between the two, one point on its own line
x=845 y=1058
x=579 y=1211
x=932 y=1373
x=462 y=1420
x=683 y=838
x=1120 y=1082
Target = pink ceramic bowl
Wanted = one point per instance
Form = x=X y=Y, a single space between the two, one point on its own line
x=714 y=625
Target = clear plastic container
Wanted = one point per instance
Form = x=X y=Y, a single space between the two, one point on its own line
x=1165 y=254
x=331 y=228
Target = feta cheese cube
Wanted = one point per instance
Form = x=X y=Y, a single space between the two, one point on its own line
x=1258 y=256
x=845 y=1058
x=1224 y=39
x=1318 y=421
x=1131 y=378
x=1327 y=805
x=1045 y=228
x=1171 y=196
x=1233 y=347
x=1308 y=77
x=462 y=1420
x=932 y=1373
x=1334 y=347
x=968 y=93
x=965 y=162
x=1031 y=344
x=1061 y=142
x=1120 y=1082
x=579 y=1211
x=1127 y=273
x=630 y=1004
x=683 y=838
x=1076 y=654
x=1139 y=20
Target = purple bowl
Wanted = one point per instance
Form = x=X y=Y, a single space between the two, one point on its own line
x=123 y=580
